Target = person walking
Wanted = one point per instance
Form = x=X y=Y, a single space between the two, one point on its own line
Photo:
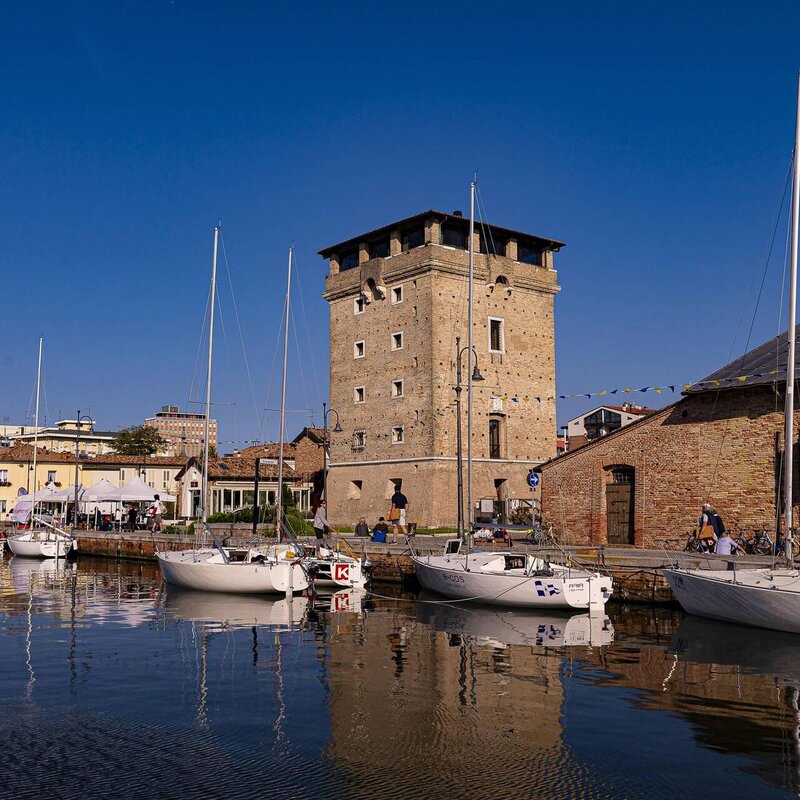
x=710 y=526
x=397 y=513
x=321 y=526
x=157 y=513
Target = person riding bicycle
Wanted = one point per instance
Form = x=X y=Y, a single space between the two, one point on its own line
x=710 y=526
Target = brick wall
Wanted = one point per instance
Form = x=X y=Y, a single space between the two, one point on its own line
x=718 y=447
x=432 y=313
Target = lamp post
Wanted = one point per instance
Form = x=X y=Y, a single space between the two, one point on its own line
x=77 y=455
x=476 y=376
x=326 y=413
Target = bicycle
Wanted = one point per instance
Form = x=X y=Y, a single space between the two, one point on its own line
x=541 y=535
x=694 y=544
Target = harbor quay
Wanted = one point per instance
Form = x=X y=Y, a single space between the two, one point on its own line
x=637 y=573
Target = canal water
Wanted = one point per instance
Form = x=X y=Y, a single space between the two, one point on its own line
x=112 y=686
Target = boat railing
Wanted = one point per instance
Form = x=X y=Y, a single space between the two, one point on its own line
x=50 y=527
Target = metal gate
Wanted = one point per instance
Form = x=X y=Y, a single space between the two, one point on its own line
x=619 y=507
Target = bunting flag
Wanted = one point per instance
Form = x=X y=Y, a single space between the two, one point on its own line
x=436 y=416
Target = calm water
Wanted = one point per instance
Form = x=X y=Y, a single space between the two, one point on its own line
x=111 y=686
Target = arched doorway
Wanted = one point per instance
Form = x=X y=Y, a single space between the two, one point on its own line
x=619 y=505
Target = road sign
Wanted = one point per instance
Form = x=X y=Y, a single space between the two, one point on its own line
x=533 y=479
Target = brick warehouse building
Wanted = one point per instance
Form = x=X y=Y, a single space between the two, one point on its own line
x=721 y=443
x=398 y=299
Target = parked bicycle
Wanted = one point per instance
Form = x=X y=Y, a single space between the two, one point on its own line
x=696 y=544
x=541 y=535
x=760 y=544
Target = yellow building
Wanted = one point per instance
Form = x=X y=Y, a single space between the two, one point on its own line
x=16 y=472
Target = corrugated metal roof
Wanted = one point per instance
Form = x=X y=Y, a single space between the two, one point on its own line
x=766 y=364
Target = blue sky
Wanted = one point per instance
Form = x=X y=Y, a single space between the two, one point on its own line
x=654 y=139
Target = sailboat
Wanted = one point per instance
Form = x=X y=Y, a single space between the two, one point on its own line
x=327 y=567
x=41 y=540
x=503 y=577
x=247 y=570
x=762 y=598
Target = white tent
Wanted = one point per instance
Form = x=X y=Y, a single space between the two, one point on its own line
x=44 y=495
x=138 y=490
x=100 y=491
x=68 y=494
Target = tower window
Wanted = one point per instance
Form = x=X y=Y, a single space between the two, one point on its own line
x=359 y=440
x=359 y=304
x=397 y=294
x=494 y=438
x=530 y=255
x=397 y=341
x=398 y=436
x=496 y=335
x=358 y=349
x=349 y=260
x=379 y=249
x=412 y=238
x=397 y=388
x=454 y=237
x=492 y=244
x=359 y=394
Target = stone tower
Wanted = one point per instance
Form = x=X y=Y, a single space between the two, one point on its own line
x=398 y=300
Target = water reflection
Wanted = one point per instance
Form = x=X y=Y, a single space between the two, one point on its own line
x=499 y=627
x=224 y=611
x=108 y=676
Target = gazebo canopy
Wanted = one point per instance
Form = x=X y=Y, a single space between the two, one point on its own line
x=68 y=494
x=137 y=489
x=100 y=491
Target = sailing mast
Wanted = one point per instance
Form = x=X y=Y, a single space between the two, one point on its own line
x=36 y=429
x=279 y=504
x=470 y=506
x=208 y=374
x=788 y=434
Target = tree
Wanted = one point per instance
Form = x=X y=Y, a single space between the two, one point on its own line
x=138 y=440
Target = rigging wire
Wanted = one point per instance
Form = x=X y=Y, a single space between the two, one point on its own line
x=264 y=420
x=195 y=384
x=239 y=328
x=314 y=371
x=750 y=331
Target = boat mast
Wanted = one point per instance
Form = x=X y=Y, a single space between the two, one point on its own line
x=279 y=505
x=470 y=507
x=788 y=434
x=208 y=373
x=36 y=428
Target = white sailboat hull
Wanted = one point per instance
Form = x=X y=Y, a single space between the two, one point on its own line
x=761 y=598
x=337 y=572
x=205 y=571
x=40 y=544
x=565 y=588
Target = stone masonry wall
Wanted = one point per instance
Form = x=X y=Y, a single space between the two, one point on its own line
x=433 y=311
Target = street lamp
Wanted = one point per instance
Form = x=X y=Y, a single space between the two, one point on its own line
x=476 y=376
x=77 y=454
x=326 y=413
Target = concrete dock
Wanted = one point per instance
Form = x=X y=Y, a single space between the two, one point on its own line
x=638 y=574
